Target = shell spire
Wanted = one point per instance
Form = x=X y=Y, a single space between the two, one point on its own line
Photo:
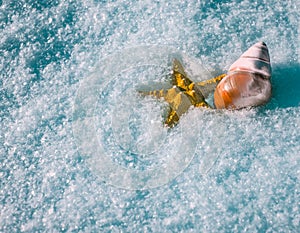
x=255 y=60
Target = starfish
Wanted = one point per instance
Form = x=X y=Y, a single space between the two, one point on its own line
x=184 y=93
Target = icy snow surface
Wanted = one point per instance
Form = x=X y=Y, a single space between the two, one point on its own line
x=82 y=151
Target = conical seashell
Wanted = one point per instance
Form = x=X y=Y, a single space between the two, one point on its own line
x=248 y=80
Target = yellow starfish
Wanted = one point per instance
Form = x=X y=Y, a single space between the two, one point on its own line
x=184 y=93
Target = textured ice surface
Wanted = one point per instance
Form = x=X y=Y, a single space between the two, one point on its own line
x=48 y=52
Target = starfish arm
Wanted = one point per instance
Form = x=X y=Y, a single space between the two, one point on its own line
x=214 y=80
x=208 y=86
x=172 y=119
x=156 y=93
x=179 y=77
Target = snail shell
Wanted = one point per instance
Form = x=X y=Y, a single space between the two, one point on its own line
x=247 y=82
